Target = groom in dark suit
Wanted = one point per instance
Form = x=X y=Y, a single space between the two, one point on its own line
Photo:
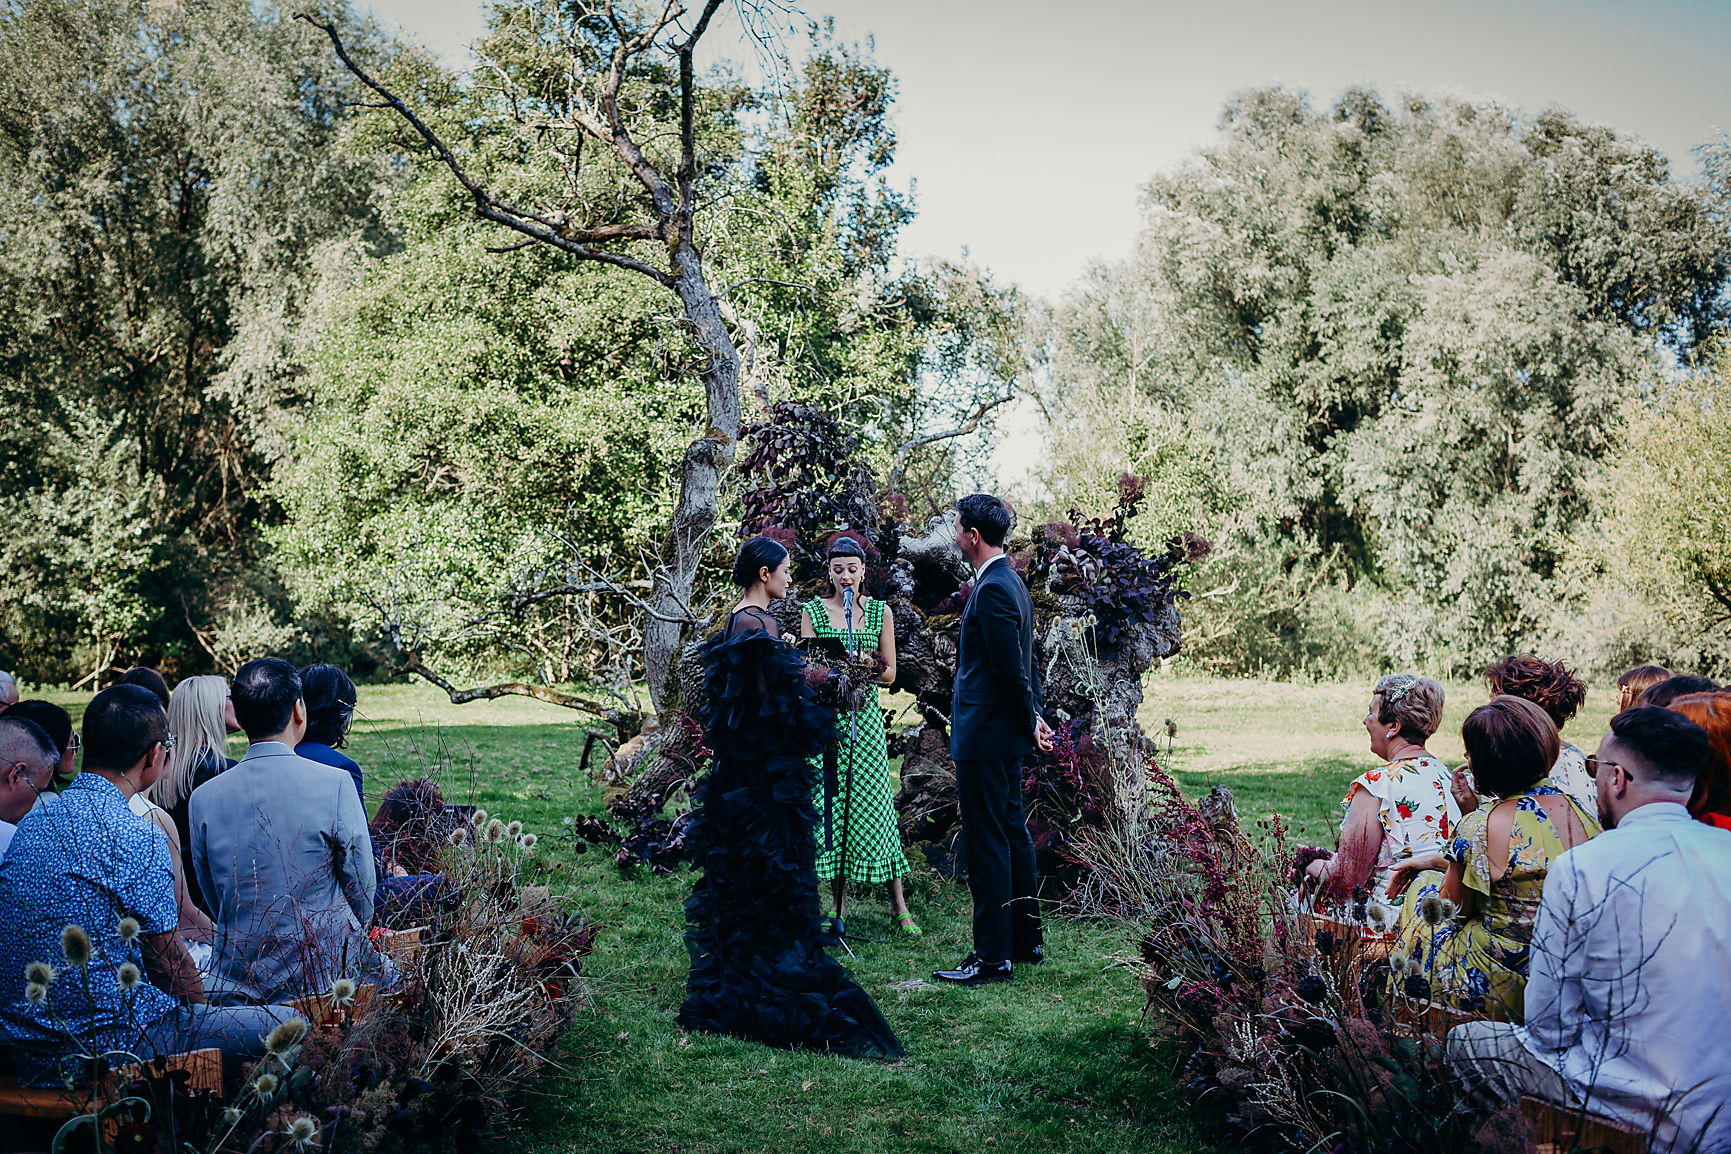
x=995 y=722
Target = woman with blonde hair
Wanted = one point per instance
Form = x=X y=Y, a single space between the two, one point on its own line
x=1402 y=808
x=200 y=716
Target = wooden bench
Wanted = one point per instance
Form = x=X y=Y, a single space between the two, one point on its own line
x=1561 y=1129
x=404 y=945
x=1426 y=1017
x=322 y=1012
x=1357 y=941
x=204 y=1069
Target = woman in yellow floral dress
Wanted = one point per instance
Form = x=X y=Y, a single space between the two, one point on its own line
x=1467 y=919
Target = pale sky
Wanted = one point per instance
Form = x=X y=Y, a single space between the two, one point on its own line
x=1031 y=126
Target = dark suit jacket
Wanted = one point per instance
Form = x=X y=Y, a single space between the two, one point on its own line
x=997 y=693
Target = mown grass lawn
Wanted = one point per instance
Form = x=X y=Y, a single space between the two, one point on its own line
x=1051 y=1061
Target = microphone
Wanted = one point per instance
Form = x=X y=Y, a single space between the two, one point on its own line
x=847 y=607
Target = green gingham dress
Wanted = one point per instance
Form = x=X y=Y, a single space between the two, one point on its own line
x=874 y=843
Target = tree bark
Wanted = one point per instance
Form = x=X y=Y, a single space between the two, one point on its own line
x=700 y=472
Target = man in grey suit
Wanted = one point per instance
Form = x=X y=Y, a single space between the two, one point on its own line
x=281 y=848
x=995 y=721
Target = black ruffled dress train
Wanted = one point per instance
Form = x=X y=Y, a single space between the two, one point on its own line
x=758 y=967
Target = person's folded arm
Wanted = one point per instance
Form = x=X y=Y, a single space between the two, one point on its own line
x=1361 y=837
x=170 y=967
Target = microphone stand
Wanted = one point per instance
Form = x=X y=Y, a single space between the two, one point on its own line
x=847 y=799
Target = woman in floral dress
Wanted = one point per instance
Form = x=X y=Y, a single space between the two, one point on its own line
x=864 y=817
x=1402 y=808
x=1552 y=687
x=1468 y=913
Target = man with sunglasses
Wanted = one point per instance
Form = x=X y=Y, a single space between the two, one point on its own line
x=27 y=761
x=1629 y=988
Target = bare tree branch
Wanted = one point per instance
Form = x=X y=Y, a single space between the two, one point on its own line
x=709 y=455
x=411 y=663
x=489 y=207
x=962 y=430
x=728 y=291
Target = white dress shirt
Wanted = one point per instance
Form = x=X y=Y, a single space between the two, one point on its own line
x=1629 y=992
x=981 y=571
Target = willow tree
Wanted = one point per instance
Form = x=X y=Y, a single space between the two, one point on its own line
x=596 y=75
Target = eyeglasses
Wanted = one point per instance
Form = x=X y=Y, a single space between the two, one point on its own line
x=168 y=742
x=75 y=744
x=1593 y=764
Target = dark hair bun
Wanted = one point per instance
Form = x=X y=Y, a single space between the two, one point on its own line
x=756 y=555
x=845 y=545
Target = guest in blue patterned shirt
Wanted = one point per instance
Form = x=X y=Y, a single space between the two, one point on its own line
x=90 y=961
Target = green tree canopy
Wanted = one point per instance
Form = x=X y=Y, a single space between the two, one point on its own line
x=166 y=173
x=1401 y=339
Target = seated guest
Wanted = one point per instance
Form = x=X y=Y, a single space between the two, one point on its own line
x=1628 y=997
x=1711 y=801
x=1637 y=681
x=409 y=831
x=330 y=698
x=8 y=691
x=85 y=860
x=57 y=724
x=1553 y=688
x=1400 y=809
x=27 y=761
x=149 y=679
x=1493 y=871
x=1672 y=688
x=281 y=850
x=201 y=717
x=194 y=923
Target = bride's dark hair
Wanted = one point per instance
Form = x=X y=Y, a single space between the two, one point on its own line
x=756 y=555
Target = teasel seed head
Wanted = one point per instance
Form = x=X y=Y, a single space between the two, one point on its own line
x=301 y=1132
x=286 y=1036
x=75 y=944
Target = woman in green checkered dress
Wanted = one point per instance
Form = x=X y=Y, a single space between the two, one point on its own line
x=874 y=843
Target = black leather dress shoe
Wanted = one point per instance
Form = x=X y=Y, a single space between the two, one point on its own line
x=1032 y=958
x=974 y=972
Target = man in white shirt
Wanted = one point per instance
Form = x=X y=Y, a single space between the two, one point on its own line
x=27 y=761
x=1629 y=993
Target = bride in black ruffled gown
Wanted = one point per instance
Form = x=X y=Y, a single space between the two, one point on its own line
x=758 y=968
